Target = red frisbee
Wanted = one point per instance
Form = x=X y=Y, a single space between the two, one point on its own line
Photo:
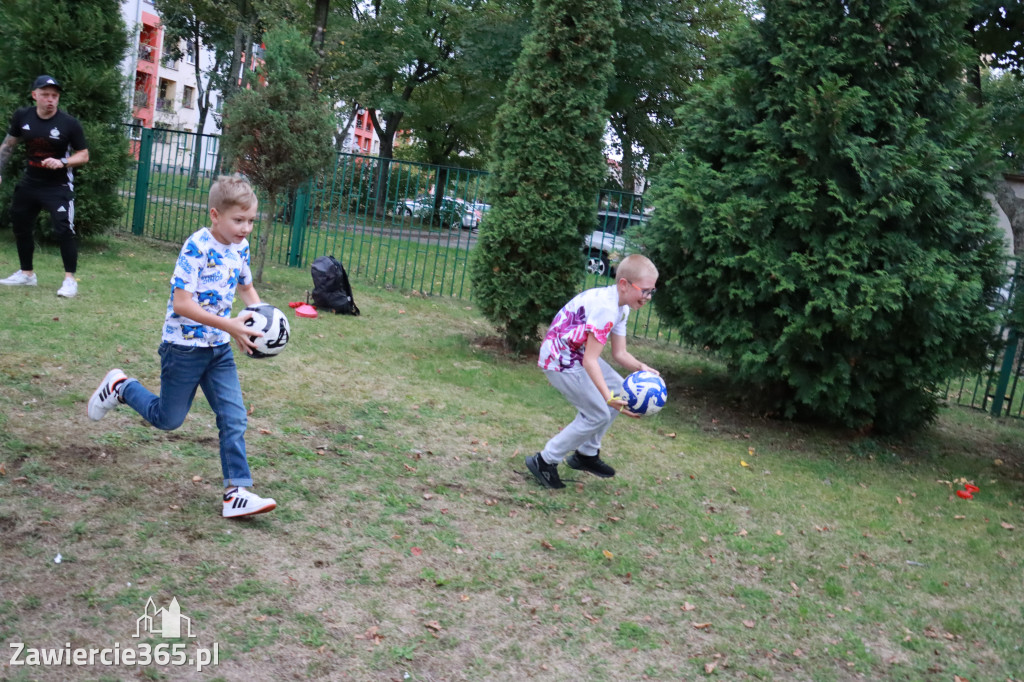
x=971 y=488
x=306 y=310
x=964 y=494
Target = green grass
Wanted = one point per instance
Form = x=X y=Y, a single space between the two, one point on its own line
x=408 y=541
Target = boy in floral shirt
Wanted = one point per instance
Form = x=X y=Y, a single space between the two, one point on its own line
x=571 y=359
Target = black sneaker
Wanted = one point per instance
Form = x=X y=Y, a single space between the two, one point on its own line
x=592 y=463
x=546 y=474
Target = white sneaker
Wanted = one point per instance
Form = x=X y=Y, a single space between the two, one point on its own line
x=20 y=279
x=105 y=398
x=241 y=502
x=68 y=289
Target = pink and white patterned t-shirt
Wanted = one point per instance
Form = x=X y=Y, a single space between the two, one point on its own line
x=594 y=311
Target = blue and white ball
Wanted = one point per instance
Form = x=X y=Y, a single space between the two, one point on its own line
x=274 y=325
x=645 y=392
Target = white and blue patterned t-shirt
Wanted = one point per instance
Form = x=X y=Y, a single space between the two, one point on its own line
x=210 y=271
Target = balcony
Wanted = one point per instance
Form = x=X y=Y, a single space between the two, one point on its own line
x=146 y=53
x=165 y=104
x=140 y=99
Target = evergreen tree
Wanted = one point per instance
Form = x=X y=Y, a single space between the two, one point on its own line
x=548 y=165
x=825 y=228
x=278 y=131
x=80 y=43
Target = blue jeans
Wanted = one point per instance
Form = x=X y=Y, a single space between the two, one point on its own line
x=183 y=369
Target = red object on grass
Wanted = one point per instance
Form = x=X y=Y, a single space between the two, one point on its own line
x=306 y=310
x=971 y=488
x=964 y=494
x=295 y=304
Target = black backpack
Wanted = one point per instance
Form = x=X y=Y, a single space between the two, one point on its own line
x=331 y=290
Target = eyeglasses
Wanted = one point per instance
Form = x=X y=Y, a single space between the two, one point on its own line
x=646 y=292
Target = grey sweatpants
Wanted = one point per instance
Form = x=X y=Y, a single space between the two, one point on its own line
x=583 y=433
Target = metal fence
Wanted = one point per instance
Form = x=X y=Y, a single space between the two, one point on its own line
x=400 y=224
x=411 y=226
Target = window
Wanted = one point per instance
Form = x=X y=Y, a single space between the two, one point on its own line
x=165 y=98
x=190 y=51
x=188 y=97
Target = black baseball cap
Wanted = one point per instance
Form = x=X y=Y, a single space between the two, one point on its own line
x=46 y=81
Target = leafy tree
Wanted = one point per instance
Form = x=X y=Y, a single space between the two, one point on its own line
x=826 y=228
x=277 y=130
x=660 y=50
x=548 y=165
x=386 y=51
x=453 y=115
x=201 y=23
x=51 y=41
x=1003 y=94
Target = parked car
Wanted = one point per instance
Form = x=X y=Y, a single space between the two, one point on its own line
x=608 y=244
x=454 y=212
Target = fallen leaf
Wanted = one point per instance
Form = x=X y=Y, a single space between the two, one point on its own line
x=670 y=435
x=607 y=555
x=407 y=467
x=743 y=464
x=3 y=469
x=959 y=517
x=687 y=606
x=750 y=451
x=701 y=626
x=742 y=533
x=748 y=623
x=898 y=500
x=427 y=496
x=1007 y=526
x=432 y=625
x=416 y=551
x=266 y=432
x=546 y=545
x=710 y=667
x=197 y=479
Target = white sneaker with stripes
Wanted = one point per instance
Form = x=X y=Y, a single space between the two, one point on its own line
x=242 y=502
x=105 y=397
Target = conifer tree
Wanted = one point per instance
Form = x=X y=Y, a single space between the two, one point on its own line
x=825 y=228
x=548 y=165
x=80 y=43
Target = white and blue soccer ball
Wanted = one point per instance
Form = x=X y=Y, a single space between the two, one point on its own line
x=274 y=325
x=645 y=392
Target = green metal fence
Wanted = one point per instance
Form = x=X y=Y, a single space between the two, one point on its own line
x=411 y=226
x=995 y=390
x=400 y=224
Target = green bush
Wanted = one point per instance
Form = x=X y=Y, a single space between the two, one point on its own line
x=826 y=229
x=548 y=167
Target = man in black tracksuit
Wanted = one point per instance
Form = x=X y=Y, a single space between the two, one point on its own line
x=54 y=144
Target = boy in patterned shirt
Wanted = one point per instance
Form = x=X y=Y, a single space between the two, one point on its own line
x=571 y=359
x=195 y=350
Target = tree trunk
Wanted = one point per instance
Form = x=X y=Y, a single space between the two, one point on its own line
x=1013 y=207
x=628 y=170
x=320 y=12
x=386 y=133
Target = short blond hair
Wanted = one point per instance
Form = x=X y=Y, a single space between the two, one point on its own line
x=231 y=190
x=636 y=266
